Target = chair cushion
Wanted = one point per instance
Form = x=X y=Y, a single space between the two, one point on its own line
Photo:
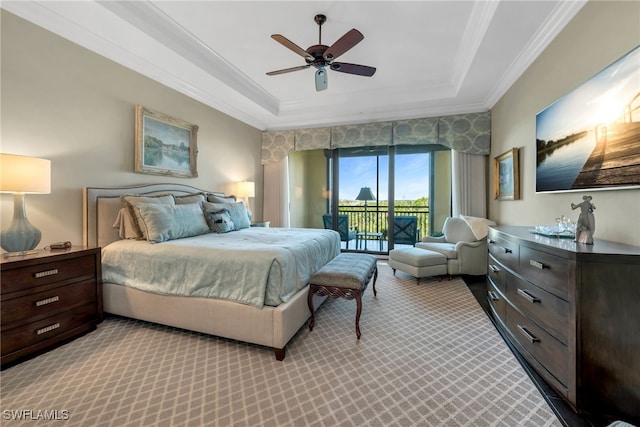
x=446 y=249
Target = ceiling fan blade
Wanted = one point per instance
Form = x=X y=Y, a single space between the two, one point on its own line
x=321 y=79
x=291 y=45
x=288 y=70
x=344 y=43
x=360 y=70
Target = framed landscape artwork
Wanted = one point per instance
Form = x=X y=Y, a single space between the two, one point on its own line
x=506 y=176
x=589 y=139
x=164 y=145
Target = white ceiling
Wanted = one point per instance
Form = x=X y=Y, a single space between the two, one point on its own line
x=432 y=57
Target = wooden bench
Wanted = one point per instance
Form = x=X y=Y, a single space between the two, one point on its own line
x=346 y=276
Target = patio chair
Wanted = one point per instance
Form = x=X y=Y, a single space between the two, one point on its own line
x=346 y=235
x=405 y=230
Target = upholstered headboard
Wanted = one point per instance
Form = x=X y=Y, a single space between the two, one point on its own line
x=101 y=205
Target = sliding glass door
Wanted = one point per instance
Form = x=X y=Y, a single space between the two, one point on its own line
x=377 y=197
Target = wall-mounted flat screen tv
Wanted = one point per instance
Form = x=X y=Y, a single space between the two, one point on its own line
x=590 y=138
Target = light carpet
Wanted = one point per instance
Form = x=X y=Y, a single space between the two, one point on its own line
x=428 y=356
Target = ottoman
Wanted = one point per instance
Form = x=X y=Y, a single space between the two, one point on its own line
x=418 y=262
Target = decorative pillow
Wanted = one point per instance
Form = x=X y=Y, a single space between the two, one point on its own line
x=237 y=212
x=220 y=221
x=130 y=201
x=214 y=198
x=188 y=199
x=170 y=222
x=124 y=224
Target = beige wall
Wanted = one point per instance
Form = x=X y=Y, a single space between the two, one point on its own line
x=600 y=33
x=67 y=104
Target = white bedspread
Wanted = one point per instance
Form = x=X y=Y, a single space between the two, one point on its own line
x=256 y=266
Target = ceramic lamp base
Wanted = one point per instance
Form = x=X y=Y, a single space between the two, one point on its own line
x=21 y=235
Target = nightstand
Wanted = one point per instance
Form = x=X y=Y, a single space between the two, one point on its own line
x=261 y=224
x=48 y=299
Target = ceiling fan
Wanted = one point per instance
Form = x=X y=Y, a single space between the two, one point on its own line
x=321 y=56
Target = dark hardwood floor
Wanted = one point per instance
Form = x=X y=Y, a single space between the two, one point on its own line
x=566 y=415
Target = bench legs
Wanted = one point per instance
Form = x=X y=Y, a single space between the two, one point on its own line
x=338 y=292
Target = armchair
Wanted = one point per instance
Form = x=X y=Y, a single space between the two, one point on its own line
x=346 y=235
x=465 y=253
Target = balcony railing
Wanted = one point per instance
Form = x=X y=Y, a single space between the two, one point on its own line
x=375 y=218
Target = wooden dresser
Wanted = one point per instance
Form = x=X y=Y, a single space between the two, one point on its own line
x=573 y=311
x=47 y=299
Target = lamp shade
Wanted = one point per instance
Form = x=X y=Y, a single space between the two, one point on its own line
x=246 y=189
x=365 y=194
x=23 y=174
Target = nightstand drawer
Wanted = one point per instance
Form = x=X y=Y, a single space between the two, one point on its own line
x=46 y=303
x=545 y=270
x=548 y=351
x=45 y=273
x=545 y=309
x=24 y=336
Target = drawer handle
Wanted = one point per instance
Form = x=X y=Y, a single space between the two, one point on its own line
x=47 y=301
x=47 y=329
x=507 y=250
x=493 y=296
x=537 y=264
x=46 y=273
x=494 y=268
x=526 y=295
x=528 y=334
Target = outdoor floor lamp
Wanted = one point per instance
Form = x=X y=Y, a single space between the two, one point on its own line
x=365 y=195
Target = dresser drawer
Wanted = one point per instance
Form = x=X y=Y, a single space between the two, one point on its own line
x=545 y=309
x=50 y=272
x=545 y=270
x=497 y=274
x=496 y=301
x=504 y=251
x=23 y=336
x=548 y=351
x=46 y=303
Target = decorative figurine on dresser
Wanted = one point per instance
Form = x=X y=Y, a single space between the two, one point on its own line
x=586 y=226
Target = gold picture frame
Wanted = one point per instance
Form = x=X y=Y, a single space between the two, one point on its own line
x=165 y=145
x=506 y=176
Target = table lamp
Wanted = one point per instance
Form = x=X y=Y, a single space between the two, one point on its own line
x=22 y=175
x=246 y=189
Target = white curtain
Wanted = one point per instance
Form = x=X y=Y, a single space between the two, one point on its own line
x=276 y=193
x=468 y=184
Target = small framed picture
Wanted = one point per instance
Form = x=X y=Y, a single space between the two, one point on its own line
x=506 y=176
x=164 y=145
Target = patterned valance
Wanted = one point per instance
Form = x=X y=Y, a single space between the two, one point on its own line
x=416 y=131
x=467 y=133
x=276 y=145
x=312 y=139
x=362 y=135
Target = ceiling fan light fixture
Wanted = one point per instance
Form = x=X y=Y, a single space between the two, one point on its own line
x=321 y=79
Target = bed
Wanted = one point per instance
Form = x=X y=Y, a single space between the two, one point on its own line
x=269 y=311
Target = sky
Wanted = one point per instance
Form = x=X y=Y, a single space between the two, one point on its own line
x=412 y=176
x=600 y=99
